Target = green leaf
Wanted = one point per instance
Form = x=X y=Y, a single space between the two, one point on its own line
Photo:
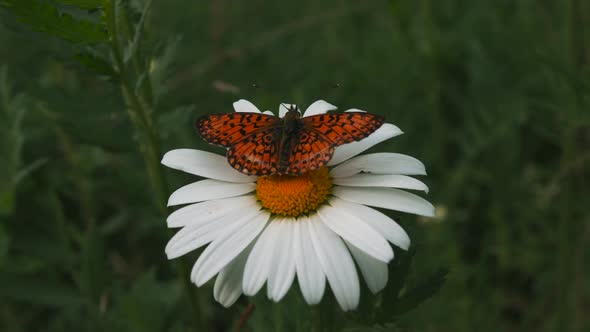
x=44 y=17
x=150 y=303
x=7 y=191
x=399 y=271
x=6 y=201
x=84 y=4
x=98 y=65
x=114 y=224
x=421 y=292
x=94 y=270
x=4 y=244
x=29 y=169
x=12 y=110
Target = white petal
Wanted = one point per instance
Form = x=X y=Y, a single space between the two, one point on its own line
x=228 y=285
x=282 y=270
x=384 y=225
x=209 y=210
x=319 y=107
x=258 y=263
x=197 y=235
x=347 y=151
x=336 y=263
x=208 y=189
x=205 y=164
x=380 y=163
x=284 y=108
x=310 y=276
x=387 y=198
x=244 y=106
x=268 y=113
x=374 y=271
x=226 y=247
x=381 y=180
x=357 y=232
x=352 y=110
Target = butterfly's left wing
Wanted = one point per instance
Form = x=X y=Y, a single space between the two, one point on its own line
x=342 y=128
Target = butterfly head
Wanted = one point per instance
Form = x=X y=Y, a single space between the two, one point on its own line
x=293 y=112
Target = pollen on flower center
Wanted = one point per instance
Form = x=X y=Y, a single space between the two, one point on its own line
x=294 y=195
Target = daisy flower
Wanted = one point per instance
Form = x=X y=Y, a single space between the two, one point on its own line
x=312 y=227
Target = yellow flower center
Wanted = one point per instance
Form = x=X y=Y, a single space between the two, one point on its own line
x=294 y=195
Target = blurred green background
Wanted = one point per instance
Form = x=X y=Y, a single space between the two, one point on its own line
x=493 y=96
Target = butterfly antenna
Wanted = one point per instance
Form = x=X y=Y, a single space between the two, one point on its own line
x=291 y=107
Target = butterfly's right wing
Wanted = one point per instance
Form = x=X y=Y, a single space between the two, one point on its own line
x=257 y=153
x=228 y=129
x=342 y=128
x=319 y=136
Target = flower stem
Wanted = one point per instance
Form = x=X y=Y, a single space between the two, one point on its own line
x=148 y=139
x=244 y=317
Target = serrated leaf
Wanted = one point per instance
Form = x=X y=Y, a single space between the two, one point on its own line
x=98 y=65
x=160 y=66
x=44 y=17
x=84 y=4
x=131 y=49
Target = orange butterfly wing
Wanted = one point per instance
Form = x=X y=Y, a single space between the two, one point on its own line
x=311 y=151
x=228 y=129
x=321 y=133
x=253 y=139
x=250 y=138
x=257 y=153
x=342 y=128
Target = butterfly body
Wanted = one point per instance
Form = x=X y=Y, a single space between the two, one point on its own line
x=290 y=132
x=261 y=144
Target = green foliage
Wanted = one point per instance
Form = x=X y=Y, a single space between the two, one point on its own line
x=44 y=17
x=84 y=4
x=376 y=328
x=12 y=110
x=133 y=47
x=492 y=96
x=420 y=293
x=97 y=64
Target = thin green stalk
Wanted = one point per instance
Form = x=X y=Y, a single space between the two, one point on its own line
x=139 y=63
x=317 y=319
x=278 y=318
x=140 y=118
x=150 y=149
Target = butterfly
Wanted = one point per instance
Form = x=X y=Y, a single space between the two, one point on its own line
x=262 y=144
